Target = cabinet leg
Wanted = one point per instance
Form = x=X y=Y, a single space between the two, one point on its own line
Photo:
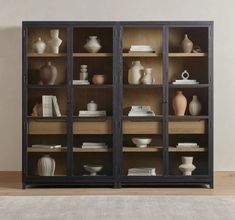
x=117 y=185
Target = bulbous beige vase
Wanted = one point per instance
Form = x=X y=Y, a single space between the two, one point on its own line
x=179 y=103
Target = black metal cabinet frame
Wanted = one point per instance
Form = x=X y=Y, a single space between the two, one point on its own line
x=116 y=180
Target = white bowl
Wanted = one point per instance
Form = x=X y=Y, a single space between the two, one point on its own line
x=93 y=169
x=141 y=142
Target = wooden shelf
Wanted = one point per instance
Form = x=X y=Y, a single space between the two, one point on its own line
x=97 y=150
x=192 y=86
x=142 y=118
x=145 y=149
x=140 y=54
x=187 y=117
x=103 y=118
x=40 y=149
x=32 y=86
x=187 y=54
x=152 y=86
x=92 y=86
x=46 y=55
x=187 y=149
x=40 y=118
x=92 y=54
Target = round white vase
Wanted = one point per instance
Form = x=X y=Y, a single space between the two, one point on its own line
x=39 y=46
x=135 y=73
x=195 y=106
x=46 y=166
x=92 y=45
x=55 y=41
x=92 y=106
x=187 y=166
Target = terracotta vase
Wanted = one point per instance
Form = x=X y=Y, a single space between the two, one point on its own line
x=135 y=73
x=39 y=46
x=187 y=166
x=48 y=74
x=55 y=41
x=195 y=106
x=187 y=44
x=46 y=166
x=98 y=79
x=179 y=103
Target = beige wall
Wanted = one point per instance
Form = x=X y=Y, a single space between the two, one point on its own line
x=13 y=12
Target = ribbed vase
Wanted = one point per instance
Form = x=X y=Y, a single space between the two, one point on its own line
x=46 y=166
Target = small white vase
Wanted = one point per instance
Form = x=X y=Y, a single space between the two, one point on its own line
x=135 y=73
x=55 y=41
x=92 y=45
x=187 y=44
x=187 y=166
x=148 y=77
x=83 y=72
x=46 y=166
x=92 y=106
x=195 y=106
x=39 y=46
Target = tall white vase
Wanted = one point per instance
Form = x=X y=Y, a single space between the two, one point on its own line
x=46 y=166
x=135 y=73
x=187 y=166
x=195 y=106
x=187 y=44
x=55 y=41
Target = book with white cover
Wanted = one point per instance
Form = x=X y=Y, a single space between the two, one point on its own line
x=187 y=145
x=93 y=145
x=47 y=110
x=92 y=113
x=141 y=172
x=56 y=106
x=46 y=146
x=81 y=82
x=141 y=48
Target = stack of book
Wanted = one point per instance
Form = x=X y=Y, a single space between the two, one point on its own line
x=93 y=145
x=141 y=172
x=50 y=106
x=51 y=146
x=81 y=82
x=141 y=48
x=83 y=113
x=187 y=145
x=139 y=111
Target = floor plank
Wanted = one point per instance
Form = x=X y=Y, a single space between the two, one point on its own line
x=10 y=184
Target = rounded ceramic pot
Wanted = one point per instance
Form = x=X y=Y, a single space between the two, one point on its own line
x=48 y=74
x=92 y=45
x=98 y=79
x=92 y=106
x=187 y=44
x=135 y=73
x=187 y=166
x=195 y=106
x=46 y=166
x=179 y=103
x=39 y=46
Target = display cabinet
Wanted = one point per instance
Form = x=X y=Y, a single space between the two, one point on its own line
x=94 y=93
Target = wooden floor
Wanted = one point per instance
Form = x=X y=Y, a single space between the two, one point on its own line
x=10 y=184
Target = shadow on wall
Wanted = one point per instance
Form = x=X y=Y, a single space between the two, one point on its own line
x=10 y=97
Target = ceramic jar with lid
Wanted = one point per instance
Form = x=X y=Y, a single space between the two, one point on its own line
x=39 y=46
x=92 y=106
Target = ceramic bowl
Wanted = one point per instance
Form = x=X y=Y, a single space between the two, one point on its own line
x=98 y=79
x=141 y=142
x=93 y=169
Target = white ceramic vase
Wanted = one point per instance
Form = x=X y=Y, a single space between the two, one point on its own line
x=187 y=166
x=148 y=77
x=195 y=106
x=187 y=44
x=92 y=106
x=55 y=41
x=92 y=45
x=83 y=72
x=135 y=73
x=46 y=166
x=39 y=46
